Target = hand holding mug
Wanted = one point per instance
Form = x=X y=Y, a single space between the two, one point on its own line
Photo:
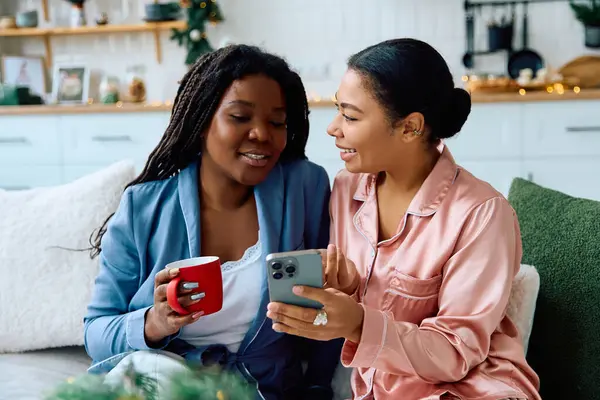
x=183 y=292
x=340 y=272
x=162 y=320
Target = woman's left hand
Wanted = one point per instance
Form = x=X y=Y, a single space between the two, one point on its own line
x=344 y=316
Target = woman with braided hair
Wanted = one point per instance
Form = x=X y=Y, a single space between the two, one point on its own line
x=229 y=178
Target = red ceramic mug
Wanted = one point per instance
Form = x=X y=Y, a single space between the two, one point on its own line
x=206 y=272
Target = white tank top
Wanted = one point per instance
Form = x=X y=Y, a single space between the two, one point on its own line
x=242 y=285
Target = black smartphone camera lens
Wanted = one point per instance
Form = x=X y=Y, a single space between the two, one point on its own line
x=276 y=266
x=290 y=269
x=277 y=275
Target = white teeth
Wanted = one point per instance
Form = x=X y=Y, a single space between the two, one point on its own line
x=255 y=156
x=349 y=151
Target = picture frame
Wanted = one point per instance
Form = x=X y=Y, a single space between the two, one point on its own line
x=71 y=83
x=25 y=71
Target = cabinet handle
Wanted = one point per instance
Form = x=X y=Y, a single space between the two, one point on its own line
x=14 y=140
x=15 y=187
x=583 y=129
x=115 y=138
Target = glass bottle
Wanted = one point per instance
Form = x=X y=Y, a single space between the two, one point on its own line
x=109 y=90
x=136 y=86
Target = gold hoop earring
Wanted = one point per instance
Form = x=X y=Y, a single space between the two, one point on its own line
x=417 y=133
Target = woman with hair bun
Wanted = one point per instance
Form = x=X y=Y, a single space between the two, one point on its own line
x=422 y=254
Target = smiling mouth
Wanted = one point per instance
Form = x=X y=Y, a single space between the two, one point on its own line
x=348 y=150
x=256 y=159
x=255 y=156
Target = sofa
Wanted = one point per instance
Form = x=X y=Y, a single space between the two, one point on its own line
x=561 y=237
x=50 y=279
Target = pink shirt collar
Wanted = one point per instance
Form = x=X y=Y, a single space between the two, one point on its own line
x=432 y=192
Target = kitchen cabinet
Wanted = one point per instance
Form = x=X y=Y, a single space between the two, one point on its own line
x=104 y=139
x=554 y=143
x=499 y=174
x=320 y=147
x=29 y=141
x=561 y=129
x=577 y=176
x=19 y=177
x=492 y=131
x=561 y=146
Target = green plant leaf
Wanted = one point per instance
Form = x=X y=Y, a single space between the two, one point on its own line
x=587 y=12
x=197 y=17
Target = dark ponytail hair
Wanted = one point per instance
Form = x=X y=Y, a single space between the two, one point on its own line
x=198 y=96
x=408 y=75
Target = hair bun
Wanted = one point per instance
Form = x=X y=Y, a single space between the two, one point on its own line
x=455 y=113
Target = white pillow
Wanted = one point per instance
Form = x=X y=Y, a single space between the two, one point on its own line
x=44 y=290
x=523 y=298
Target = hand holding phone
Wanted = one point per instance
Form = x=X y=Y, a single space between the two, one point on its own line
x=335 y=314
x=340 y=272
x=294 y=268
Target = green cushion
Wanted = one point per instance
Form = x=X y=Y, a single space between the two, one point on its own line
x=561 y=238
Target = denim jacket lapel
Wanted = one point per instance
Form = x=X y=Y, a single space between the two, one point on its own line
x=187 y=187
x=269 y=203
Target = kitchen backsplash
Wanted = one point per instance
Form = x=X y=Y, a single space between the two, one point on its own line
x=316 y=36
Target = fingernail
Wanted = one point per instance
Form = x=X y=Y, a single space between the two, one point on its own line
x=197 y=296
x=198 y=314
x=276 y=328
x=297 y=289
x=190 y=285
x=331 y=247
x=173 y=271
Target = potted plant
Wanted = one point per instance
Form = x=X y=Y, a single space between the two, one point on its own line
x=210 y=383
x=588 y=13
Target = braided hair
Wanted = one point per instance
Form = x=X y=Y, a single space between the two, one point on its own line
x=196 y=102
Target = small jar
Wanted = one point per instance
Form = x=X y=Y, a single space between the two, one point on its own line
x=109 y=90
x=136 y=87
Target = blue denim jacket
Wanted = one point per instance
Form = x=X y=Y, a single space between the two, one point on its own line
x=157 y=223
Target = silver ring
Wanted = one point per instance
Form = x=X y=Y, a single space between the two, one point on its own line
x=321 y=318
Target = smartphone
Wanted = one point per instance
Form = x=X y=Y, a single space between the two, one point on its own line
x=292 y=268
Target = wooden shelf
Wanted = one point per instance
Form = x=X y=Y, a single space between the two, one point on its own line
x=585 y=94
x=107 y=108
x=84 y=109
x=47 y=33
x=535 y=96
x=45 y=10
x=93 y=30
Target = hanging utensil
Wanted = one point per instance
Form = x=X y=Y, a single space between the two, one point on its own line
x=504 y=21
x=525 y=58
x=500 y=34
x=513 y=14
x=468 y=57
x=492 y=20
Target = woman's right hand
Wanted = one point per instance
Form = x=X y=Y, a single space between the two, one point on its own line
x=161 y=320
x=340 y=272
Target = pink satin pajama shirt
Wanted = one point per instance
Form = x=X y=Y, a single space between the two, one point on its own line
x=435 y=295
